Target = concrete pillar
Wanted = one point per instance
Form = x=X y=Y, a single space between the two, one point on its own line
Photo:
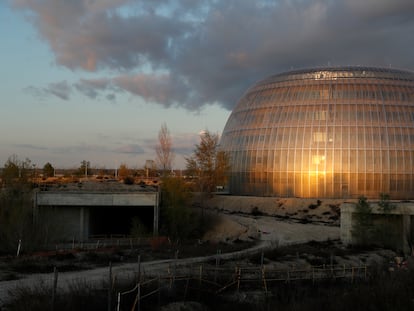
x=156 y=215
x=81 y=224
x=347 y=210
x=35 y=207
x=86 y=222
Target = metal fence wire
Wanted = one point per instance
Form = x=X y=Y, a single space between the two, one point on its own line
x=216 y=280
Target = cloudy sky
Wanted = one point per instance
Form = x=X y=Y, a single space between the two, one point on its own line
x=95 y=79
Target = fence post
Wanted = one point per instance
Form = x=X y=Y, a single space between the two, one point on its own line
x=200 y=281
x=264 y=279
x=313 y=275
x=217 y=264
x=139 y=268
x=174 y=270
x=200 y=274
x=55 y=279
x=353 y=273
x=119 y=302
x=137 y=302
x=159 y=291
x=110 y=287
x=186 y=288
x=175 y=264
x=365 y=266
x=170 y=274
x=261 y=260
x=19 y=245
x=238 y=279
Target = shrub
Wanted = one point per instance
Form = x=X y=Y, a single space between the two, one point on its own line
x=255 y=211
x=129 y=180
x=363 y=228
x=138 y=229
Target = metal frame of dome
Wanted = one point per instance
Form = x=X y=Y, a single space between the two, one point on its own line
x=332 y=132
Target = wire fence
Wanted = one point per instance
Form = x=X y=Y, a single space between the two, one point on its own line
x=129 y=289
x=217 y=280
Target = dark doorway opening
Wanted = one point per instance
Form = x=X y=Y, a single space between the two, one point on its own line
x=118 y=220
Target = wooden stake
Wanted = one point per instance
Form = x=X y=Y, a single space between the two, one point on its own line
x=55 y=279
x=238 y=278
x=264 y=279
x=110 y=287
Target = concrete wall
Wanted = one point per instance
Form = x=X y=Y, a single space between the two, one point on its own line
x=65 y=223
x=69 y=212
x=401 y=215
x=47 y=198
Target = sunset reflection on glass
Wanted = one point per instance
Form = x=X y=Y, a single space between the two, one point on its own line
x=333 y=132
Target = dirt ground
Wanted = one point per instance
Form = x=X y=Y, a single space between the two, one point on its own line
x=284 y=221
x=302 y=231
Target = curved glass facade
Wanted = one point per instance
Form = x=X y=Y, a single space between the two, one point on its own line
x=324 y=133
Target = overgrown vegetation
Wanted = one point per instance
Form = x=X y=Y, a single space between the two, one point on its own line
x=15 y=205
x=363 y=229
x=80 y=296
x=15 y=218
x=18 y=231
x=377 y=229
x=138 y=228
x=314 y=206
x=179 y=220
x=176 y=216
x=385 y=204
x=255 y=211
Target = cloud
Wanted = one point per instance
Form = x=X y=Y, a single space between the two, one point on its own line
x=195 y=53
x=30 y=146
x=59 y=89
x=80 y=148
x=111 y=97
x=162 y=88
x=91 y=87
x=130 y=149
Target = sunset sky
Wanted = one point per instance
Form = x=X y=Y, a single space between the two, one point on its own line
x=95 y=79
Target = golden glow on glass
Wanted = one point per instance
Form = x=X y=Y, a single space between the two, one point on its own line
x=337 y=133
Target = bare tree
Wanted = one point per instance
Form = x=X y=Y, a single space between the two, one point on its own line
x=165 y=154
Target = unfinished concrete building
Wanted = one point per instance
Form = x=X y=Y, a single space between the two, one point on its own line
x=79 y=213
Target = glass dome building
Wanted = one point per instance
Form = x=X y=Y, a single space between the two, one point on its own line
x=324 y=133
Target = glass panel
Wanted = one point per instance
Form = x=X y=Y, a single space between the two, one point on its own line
x=321 y=125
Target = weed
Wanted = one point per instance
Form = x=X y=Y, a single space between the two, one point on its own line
x=255 y=211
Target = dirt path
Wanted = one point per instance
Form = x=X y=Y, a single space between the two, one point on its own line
x=238 y=226
x=99 y=276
